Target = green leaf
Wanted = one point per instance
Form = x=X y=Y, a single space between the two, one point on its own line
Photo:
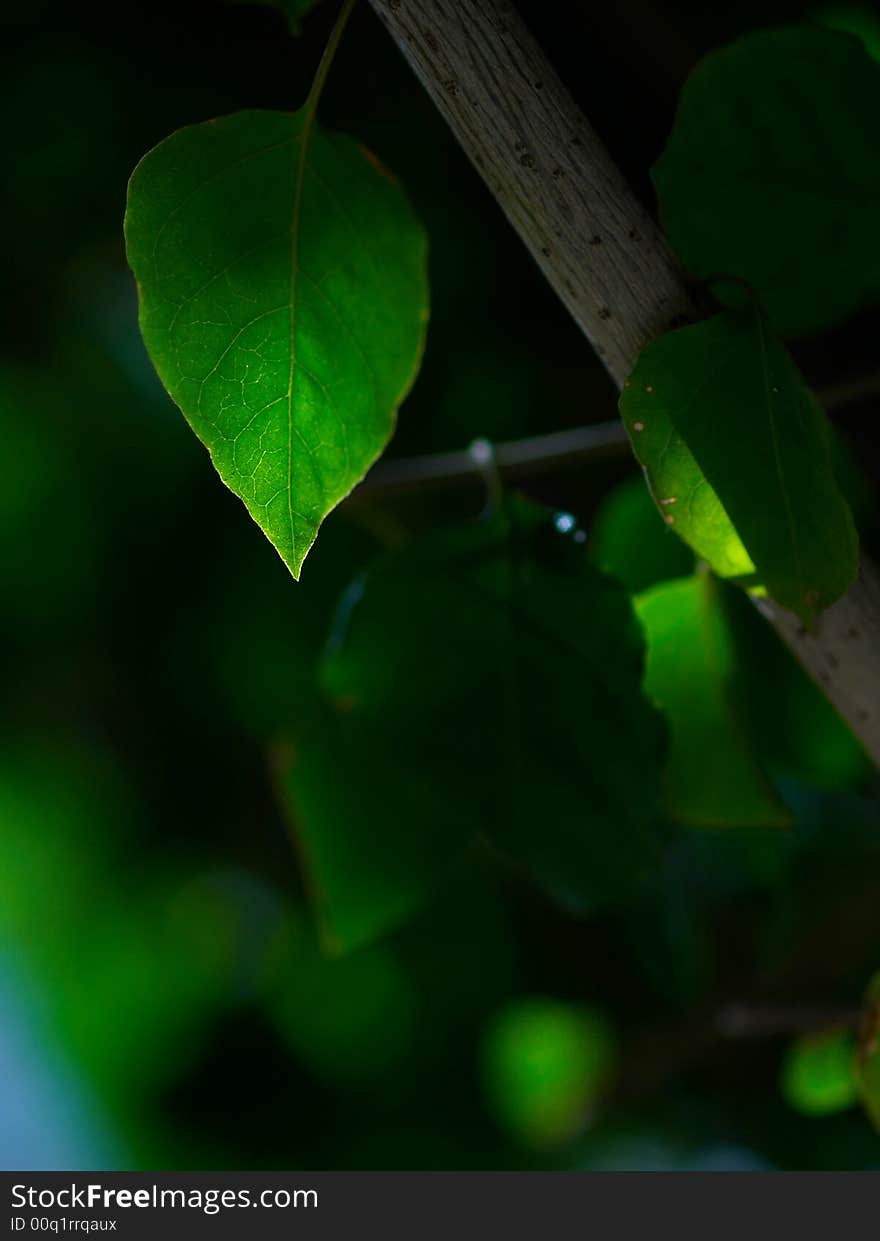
x=538 y=734
x=868 y=1053
x=772 y=173
x=349 y=1021
x=545 y=1065
x=711 y=777
x=629 y=542
x=283 y=301
x=373 y=846
x=737 y=455
x=858 y=19
x=817 y=1073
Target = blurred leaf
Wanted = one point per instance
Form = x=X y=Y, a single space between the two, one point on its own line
x=545 y=1064
x=817 y=1073
x=772 y=171
x=632 y=544
x=858 y=19
x=530 y=662
x=712 y=778
x=737 y=454
x=118 y=992
x=372 y=843
x=283 y=301
x=868 y=1053
x=349 y=1020
x=788 y=721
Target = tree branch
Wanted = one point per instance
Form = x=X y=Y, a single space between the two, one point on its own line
x=602 y=254
x=540 y=454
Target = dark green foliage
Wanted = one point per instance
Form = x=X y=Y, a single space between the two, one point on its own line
x=537 y=912
x=772 y=174
x=630 y=540
x=484 y=679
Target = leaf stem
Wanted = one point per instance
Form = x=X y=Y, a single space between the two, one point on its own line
x=326 y=61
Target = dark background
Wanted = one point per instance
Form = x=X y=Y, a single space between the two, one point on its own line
x=164 y=1003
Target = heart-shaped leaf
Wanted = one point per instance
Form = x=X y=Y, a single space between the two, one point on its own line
x=736 y=450
x=283 y=300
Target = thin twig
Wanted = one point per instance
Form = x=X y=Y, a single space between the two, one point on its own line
x=737 y=1021
x=542 y=454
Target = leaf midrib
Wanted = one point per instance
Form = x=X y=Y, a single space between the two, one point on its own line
x=305 y=134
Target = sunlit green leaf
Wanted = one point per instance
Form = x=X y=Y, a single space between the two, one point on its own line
x=817 y=1073
x=538 y=733
x=772 y=173
x=545 y=1064
x=737 y=455
x=711 y=778
x=283 y=301
x=122 y=994
x=629 y=541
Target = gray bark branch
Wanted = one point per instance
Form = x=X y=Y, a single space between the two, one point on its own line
x=602 y=254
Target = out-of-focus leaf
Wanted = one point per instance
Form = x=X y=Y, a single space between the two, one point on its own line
x=855 y=19
x=737 y=454
x=772 y=173
x=349 y=1020
x=117 y=989
x=283 y=301
x=788 y=721
x=858 y=19
x=817 y=1073
x=484 y=679
x=545 y=1064
x=868 y=1053
x=712 y=779
x=632 y=544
